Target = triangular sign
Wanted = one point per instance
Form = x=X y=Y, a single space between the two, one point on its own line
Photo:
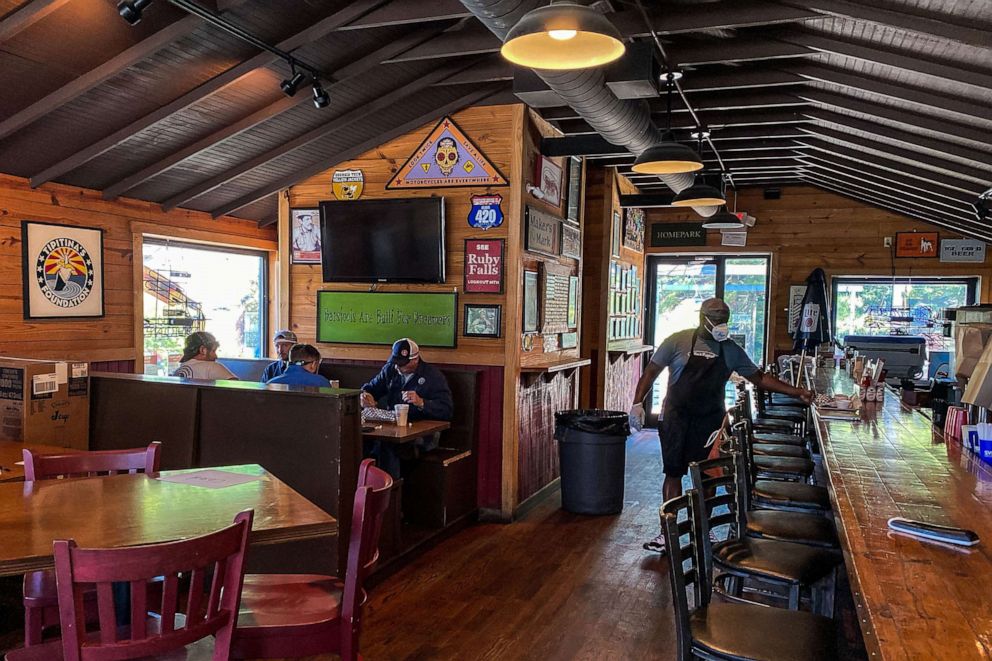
x=447 y=158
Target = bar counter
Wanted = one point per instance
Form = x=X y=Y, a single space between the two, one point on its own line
x=915 y=599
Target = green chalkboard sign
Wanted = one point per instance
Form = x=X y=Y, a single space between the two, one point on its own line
x=354 y=317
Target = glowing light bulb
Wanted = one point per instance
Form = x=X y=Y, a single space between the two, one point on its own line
x=562 y=35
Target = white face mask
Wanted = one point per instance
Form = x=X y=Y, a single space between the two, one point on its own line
x=720 y=332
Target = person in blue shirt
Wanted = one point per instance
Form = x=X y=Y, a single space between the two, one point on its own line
x=304 y=361
x=284 y=341
x=407 y=379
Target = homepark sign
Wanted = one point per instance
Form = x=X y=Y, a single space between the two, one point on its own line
x=664 y=235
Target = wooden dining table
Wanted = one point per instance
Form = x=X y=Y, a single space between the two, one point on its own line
x=12 y=457
x=128 y=510
x=391 y=432
x=915 y=599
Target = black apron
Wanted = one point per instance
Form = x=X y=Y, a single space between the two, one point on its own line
x=694 y=409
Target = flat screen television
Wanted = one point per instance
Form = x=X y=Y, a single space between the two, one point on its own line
x=383 y=240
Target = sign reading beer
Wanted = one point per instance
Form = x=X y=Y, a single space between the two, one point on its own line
x=356 y=317
x=962 y=250
x=677 y=234
x=447 y=157
x=916 y=244
x=62 y=270
x=483 y=266
x=347 y=184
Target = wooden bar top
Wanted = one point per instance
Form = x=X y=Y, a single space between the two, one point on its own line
x=915 y=599
x=390 y=432
x=126 y=510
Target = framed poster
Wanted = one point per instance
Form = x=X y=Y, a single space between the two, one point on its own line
x=363 y=317
x=482 y=320
x=569 y=340
x=917 y=244
x=633 y=230
x=531 y=308
x=617 y=232
x=62 y=271
x=306 y=236
x=573 y=301
x=571 y=241
x=484 y=266
x=574 y=200
x=543 y=233
x=548 y=177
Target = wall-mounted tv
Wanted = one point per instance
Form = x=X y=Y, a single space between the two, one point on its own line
x=383 y=240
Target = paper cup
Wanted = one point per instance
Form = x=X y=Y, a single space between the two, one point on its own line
x=335 y=383
x=402 y=412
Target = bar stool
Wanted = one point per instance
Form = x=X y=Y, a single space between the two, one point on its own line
x=738 y=631
x=800 y=527
x=772 y=466
x=800 y=570
x=791 y=446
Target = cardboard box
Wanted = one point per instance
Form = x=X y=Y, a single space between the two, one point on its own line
x=45 y=401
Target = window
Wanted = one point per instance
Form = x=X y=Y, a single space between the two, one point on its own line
x=190 y=287
x=899 y=306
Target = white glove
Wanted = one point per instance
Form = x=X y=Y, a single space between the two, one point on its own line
x=636 y=417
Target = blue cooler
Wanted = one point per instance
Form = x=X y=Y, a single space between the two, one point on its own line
x=904 y=355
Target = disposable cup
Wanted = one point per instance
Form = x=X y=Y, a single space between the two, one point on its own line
x=335 y=383
x=402 y=412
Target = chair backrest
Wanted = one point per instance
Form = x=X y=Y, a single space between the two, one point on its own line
x=720 y=484
x=85 y=464
x=689 y=564
x=214 y=564
x=371 y=501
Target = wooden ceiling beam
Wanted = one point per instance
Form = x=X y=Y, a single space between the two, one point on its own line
x=346 y=73
x=335 y=123
x=909 y=61
x=920 y=96
x=726 y=15
x=734 y=51
x=718 y=121
x=25 y=16
x=962 y=133
x=472 y=97
x=898 y=138
x=407 y=12
x=870 y=145
x=314 y=32
x=112 y=67
x=971 y=34
x=470 y=38
x=738 y=78
x=704 y=103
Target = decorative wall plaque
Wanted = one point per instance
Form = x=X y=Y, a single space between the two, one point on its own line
x=571 y=241
x=447 y=157
x=543 y=233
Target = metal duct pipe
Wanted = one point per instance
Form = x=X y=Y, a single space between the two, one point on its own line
x=624 y=122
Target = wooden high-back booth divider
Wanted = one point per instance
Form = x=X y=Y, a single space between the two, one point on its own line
x=309 y=439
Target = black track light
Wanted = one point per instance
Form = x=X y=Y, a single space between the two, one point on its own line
x=291 y=84
x=131 y=10
x=320 y=97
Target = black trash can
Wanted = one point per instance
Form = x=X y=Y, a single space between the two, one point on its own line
x=592 y=452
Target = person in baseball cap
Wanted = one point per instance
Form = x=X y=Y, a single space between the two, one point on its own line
x=407 y=378
x=699 y=361
x=284 y=341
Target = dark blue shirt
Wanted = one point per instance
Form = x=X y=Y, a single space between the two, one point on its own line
x=296 y=375
x=274 y=369
x=427 y=381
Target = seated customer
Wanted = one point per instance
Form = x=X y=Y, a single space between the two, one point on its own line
x=284 y=341
x=199 y=359
x=304 y=361
x=407 y=379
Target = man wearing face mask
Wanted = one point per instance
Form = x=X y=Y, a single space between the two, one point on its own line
x=407 y=379
x=699 y=361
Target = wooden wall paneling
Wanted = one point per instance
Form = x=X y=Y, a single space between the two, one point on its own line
x=809 y=228
x=115 y=336
x=596 y=262
x=538 y=402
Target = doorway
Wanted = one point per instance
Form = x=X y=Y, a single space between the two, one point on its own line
x=677 y=287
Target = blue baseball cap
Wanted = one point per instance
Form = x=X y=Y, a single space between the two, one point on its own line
x=404 y=351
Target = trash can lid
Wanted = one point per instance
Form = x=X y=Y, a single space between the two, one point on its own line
x=595 y=421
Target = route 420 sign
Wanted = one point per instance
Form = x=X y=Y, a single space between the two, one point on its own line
x=486 y=212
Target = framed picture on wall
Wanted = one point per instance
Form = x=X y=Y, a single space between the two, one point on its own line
x=531 y=307
x=305 y=224
x=573 y=301
x=549 y=180
x=571 y=241
x=482 y=320
x=633 y=231
x=62 y=271
x=574 y=200
x=483 y=266
x=616 y=234
x=543 y=232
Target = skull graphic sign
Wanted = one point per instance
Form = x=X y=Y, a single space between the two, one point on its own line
x=446 y=156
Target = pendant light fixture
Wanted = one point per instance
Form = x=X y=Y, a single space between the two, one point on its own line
x=700 y=194
x=563 y=36
x=724 y=220
x=668 y=156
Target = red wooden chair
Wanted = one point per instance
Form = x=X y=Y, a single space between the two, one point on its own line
x=40 y=597
x=215 y=564
x=290 y=615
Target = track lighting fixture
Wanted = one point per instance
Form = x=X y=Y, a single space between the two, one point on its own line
x=131 y=10
x=320 y=97
x=291 y=84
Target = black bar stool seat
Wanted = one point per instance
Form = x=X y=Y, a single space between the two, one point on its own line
x=798 y=527
x=745 y=631
x=779 y=439
x=780 y=450
x=775 y=494
x=783 y=467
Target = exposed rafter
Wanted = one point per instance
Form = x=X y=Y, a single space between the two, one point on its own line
x=25 y=16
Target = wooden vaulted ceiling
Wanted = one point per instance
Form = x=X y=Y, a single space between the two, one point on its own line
x=889 y=102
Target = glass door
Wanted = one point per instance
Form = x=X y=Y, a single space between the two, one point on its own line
x=681 y=284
